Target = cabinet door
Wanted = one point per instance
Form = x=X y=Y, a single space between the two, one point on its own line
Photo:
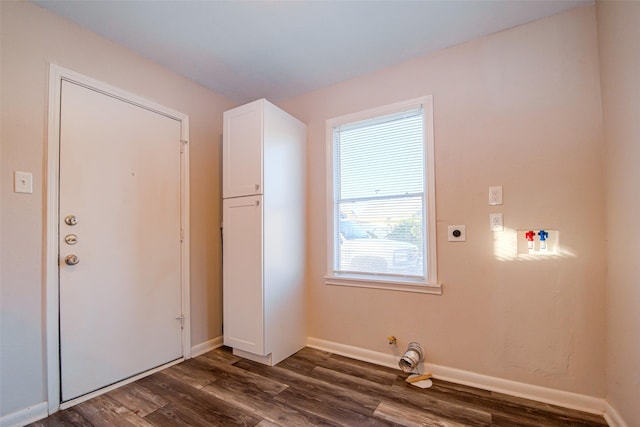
x=242 y=274
x=242 y=150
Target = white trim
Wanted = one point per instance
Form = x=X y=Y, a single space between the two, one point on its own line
x=430 y=284
x=613 y=417
x=103 y=390
x=417 y=287
x=186 y=239
x=430 y=165
x=265 y=360
x=358 y=353
x=25 y=416
x=207 y=346
x=581 y=402
x=51 y=245
x=56 y=75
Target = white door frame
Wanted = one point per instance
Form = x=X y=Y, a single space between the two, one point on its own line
x=56 y=76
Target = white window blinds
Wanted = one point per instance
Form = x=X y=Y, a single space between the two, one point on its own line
x=379 y=196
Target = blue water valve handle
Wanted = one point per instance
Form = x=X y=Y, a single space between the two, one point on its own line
x=543 y=235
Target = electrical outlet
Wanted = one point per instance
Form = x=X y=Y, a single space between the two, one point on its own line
x=23 y=182
x=495 y=222
x=456 y=233
x=495 y=195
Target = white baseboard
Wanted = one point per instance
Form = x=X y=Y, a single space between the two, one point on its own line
x=551 y=396
x=25 y=416
x=206 y=346
x=613 y=417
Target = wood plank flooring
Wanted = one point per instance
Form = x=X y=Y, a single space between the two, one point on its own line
x=311 y=388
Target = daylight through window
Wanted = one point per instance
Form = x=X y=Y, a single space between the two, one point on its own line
x=380 y=216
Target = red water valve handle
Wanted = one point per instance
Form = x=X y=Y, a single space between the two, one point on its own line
x=530 y=235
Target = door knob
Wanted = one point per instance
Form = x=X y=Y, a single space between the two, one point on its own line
x=71 y=259
x=71 y=239
x=70 y=220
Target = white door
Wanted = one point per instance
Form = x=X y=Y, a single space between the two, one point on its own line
x=242 y=274
x=242 y=148
x=120 y=194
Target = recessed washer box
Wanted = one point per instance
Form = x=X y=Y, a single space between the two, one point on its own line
x=552 y=242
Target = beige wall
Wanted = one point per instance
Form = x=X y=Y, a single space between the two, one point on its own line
x=31 y=39
x=619 y=34
x=520 y=109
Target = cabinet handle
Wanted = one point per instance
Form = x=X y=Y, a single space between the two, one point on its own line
x=257 y=203
x=257 y=187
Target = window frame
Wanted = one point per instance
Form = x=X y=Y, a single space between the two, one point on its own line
x=430 y=283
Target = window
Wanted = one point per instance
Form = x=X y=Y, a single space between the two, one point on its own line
x=381 y=226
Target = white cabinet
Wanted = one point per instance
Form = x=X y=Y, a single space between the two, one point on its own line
x=242 y=151
x=243 y=296
x=264 y=155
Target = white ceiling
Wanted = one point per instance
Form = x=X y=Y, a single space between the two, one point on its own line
x=278 y=49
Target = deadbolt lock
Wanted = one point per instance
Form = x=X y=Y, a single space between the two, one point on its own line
x=70 y=220
x=71 y=259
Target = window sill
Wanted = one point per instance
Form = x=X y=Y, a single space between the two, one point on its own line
x=366 y=282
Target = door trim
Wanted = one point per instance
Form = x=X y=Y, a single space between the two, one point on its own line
x=51 y=258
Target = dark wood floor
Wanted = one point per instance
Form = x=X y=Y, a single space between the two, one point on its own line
x=308 y=389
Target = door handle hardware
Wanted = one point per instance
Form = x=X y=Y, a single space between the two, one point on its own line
x=257 y=187
x=71 y=220
x=181 y=319
x=71 y=259
x=71 y=239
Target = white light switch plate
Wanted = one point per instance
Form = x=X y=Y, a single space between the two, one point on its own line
x=23 y=182
x=495 y=222
x=495 y=195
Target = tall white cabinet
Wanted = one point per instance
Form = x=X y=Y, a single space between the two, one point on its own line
x=264 y=156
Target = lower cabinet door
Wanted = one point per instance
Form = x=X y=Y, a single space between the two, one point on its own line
x=242 y=274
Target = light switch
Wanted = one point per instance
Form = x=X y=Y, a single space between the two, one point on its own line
x=495 y=222
x=495 y=195
x=23 y=182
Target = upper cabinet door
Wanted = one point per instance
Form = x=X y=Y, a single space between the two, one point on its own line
x=242 y=151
